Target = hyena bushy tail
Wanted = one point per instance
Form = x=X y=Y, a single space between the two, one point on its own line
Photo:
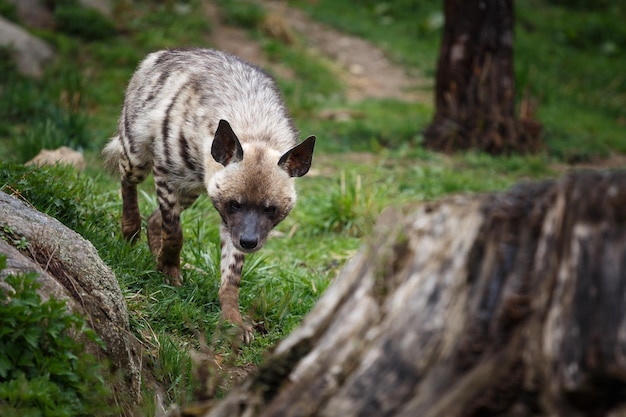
x=112 y=153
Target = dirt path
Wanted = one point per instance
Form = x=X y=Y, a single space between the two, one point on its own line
x=364 y=68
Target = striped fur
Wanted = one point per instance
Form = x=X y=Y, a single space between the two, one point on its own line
x=203 y=121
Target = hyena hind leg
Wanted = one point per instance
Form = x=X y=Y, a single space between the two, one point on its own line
x=132 y=174
x=131 y=218
x=165 y=235
x=154 y=232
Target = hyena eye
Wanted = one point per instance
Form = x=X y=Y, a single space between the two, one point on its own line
x=271 y=210
x=234 y=205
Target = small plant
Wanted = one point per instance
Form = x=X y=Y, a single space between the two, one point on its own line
x=35 y=116
x=173 y=369
x=242 y=13
x=52 y=190
x=7 y=65
x=348 y=209
x=44 y=369
x=8 y=10
x=86 y=23
x=8 y=234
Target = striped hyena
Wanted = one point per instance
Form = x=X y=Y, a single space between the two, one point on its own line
x=204 y=121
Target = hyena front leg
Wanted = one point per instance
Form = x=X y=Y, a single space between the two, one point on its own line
x=231 y=266
x=168 y=258
x=171 y=242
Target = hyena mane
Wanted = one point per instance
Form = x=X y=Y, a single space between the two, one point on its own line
x=203 y=121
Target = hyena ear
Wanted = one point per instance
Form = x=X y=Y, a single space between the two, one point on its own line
x=226 y=147
x=297 y=161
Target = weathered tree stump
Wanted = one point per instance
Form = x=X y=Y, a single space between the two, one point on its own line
x=476 y=305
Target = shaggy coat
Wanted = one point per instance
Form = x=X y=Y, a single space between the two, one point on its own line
x=204 y=121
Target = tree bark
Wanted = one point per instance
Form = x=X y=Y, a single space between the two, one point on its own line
x=475 y=83
x=476 y=305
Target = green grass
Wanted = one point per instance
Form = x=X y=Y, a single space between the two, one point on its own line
x=363 y=164
x=408 y=30
x=570 y=61
x=44 y=371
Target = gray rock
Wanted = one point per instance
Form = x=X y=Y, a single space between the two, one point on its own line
x=39 y=14
x=103 y=6
x=62 y=155
x=29 y=53
x=69 y=268
x=34 y=13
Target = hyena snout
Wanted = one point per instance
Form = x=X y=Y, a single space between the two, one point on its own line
x=250 y=232
x=249 y=242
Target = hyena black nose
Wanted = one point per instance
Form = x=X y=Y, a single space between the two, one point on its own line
x=248 y=242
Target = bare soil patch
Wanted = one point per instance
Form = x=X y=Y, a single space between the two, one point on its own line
x=364 y=68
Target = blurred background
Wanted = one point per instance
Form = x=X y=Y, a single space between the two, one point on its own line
x=361 y=76
x=62 y=81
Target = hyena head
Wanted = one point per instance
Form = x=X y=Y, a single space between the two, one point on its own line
x=255 y=191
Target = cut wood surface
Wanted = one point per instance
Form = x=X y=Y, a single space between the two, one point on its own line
x=475 y=305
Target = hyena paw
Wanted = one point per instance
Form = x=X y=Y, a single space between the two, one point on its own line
x=244 y=329
x=131 y=233
x=247 y=333
x=172 y=275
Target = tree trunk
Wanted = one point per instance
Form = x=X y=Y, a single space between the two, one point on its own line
x=475 y=85
x=476 y=305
